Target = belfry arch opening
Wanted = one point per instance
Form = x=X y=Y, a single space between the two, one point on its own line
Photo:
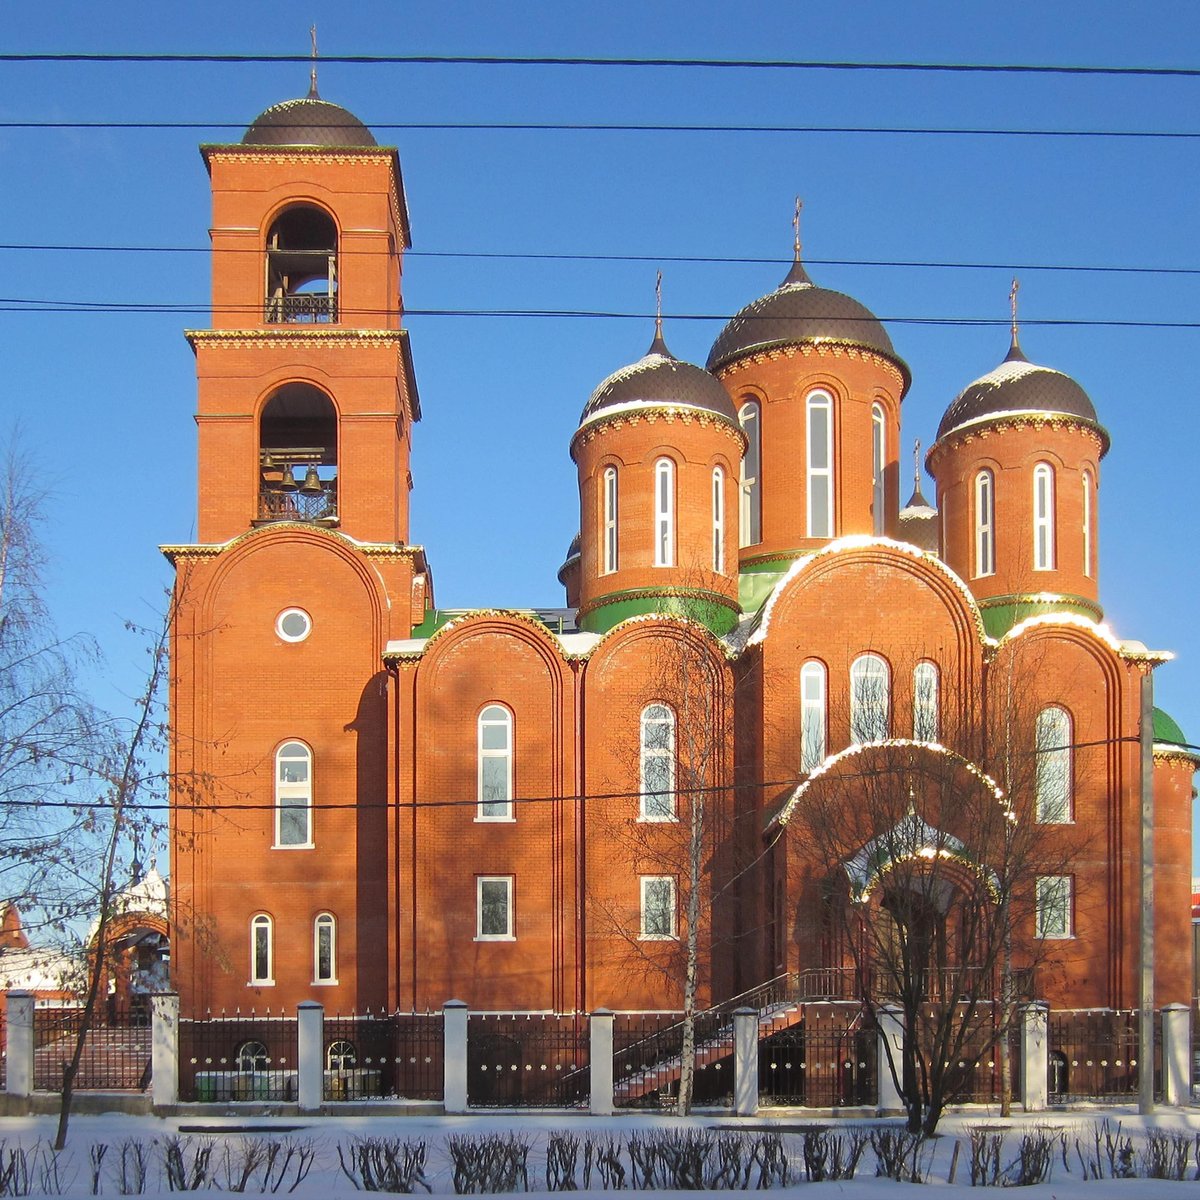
x=298 y=475
x=302 y=267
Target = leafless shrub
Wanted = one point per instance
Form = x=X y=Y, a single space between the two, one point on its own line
x=491 y=1162
x=1035 y=1158
x=1166 y=1155
x=186 y=1163
x=832 y=1156
x=1108 y=1147
x=128 y=1172
x=378 y=1164
x=986 y=1147
x=901 y=1155
x=605 y=1154
x=562 y=1161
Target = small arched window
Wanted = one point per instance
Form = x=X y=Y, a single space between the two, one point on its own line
x=325 y=949
x=495 y=764
x=658 y=763
x=302 y=267
x=870 y=699
x=985 y=524
x=925 y=702
x=878 y=467
x=608 y=504
x=820 y=465
x=1043 y=517
x=812 y=715
x=293 y=796
x=252 y=1056
x=262 y=950
x=341 y=1055
x=664 y=513
x=1089 y=508
x=1053 y=780
x=718 y=521
x=750 y=507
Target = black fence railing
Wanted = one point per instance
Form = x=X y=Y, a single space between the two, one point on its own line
x=648 y=1058
x=396 y=1054
x=304 y=308
x=1094 y=1055
x=527 y=1060
x=818 y=1056
x=238 y=1058
x=114 y=1057
x=298 y=504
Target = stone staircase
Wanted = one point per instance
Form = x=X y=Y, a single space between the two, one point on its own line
x=115 y=1058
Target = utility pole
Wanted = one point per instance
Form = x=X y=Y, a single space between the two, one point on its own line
x=1146 y=938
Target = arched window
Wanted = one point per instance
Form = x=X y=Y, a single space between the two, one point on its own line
x=870 y=699
x=1053 y=785
x=302 y=274
x=495 y=764
x=252 y=1056
x=262 y=950
x=609 y=507
x=341 y=1055
x=297 y=456
x=750 y=508
x=985 y=524
x=1088 y=518
x=293 y=796
x=325 y=949
x=820 y=465
x=925 y=702
x=718 y=520
x=812 y=715
x=658 y=763
x=1043 y=517
x=878 y=466
x=664 y=513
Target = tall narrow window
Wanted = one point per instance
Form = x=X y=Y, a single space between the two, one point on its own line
x=820 y=465
x=1054 y=904
x=664 y=513
x=1053 y=785
x=812 y=715
x=1043 y=517
x=750 y=507
x=870 y=699
x=878 y=466
x=718 y=520
x=925 y=702
x=1088 y=517
x=985 y=524
x=293 y=795
x=325 y=949
x=262 y=950
x=609 y=563
x=494 y=908
x=495 y=765
x=658 y=763
x=658 y=907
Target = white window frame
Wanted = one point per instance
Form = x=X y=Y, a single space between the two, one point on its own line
x=491 y=717
x=293 y=796
x=1043 y=517
x=926 y=702
x=1089 y=509
x=870 y=699
x=813 y=722
x=1054 y=767
x=649 y=884
x=609 y=502
x=819 y=477
x=664 y=512
x=506 y=884
x=985 y=524
x=878 y=468
x=324 y=923
x=1054 y=907
x=262 y=927
x=749 y=476
x=718 y=520
x=657 y=804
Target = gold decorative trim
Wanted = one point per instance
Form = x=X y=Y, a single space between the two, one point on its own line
x=650 y=415
x=820 y=348
x=1033 y=598
x=1165 y=752
x=173 y=552
x=234 y=339
x=1003 y=423
x=701 y=594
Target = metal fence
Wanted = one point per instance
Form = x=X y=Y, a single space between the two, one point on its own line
x=396 y=1054
x=648 y=1057
x=817 y=1056
x=1094 y=1055
x=238 y=1057
x=527 y=1060
x=115 y=1056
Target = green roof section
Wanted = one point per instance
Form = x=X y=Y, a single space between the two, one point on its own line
x=755 y=585
x=707 y=608
x=1003 y=614
x=437 y=618
x=1166 y=729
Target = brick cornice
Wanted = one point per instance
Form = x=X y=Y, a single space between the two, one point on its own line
x=288 y=337
x=816 y=348
x=668 y=414
x=1007 y=423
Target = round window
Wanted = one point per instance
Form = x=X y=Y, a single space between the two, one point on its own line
x=293 y=625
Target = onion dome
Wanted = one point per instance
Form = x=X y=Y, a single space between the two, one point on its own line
x=918 y=522
x=798 y=311
x=656 y=379
x=310 y=121
x=1019 y=386
x=574 y=553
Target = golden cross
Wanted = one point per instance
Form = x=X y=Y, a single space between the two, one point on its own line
x=1012 y=300
x=312 y=87
x=917 y=463
x=796 y=228
x=658 y=304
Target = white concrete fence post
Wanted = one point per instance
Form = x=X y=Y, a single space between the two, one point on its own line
x=745 y=1062
x=454 y=1027
x=1176 y=1054
x=310 y=1038
x=891 y=1036
x=20 y=1044
x=600 y=1060
x=164 y=1049
x=1035 y=1056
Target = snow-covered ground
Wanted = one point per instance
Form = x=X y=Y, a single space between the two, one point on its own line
x=327 y=1180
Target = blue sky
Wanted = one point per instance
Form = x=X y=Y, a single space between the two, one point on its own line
x=105 y=400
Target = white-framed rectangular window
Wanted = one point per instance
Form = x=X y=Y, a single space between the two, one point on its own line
x=325 y=949
x=658 y=908
x=609 y=563
x=293 y=797
x=495 y=765
x=262 y=951
x=1043 y=517
x=820 y=465
x=657 y=763
x=1054 y=906
x=494 y=908
x=718 y=520
x=985 y=524
x=664 y=513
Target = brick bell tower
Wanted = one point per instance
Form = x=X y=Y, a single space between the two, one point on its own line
x=300 y=575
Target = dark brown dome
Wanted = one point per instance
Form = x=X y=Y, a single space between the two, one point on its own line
x=660 y=378
x=798 y=311
x=307 y=122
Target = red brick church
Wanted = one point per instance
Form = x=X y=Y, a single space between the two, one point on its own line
x=383 y=805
